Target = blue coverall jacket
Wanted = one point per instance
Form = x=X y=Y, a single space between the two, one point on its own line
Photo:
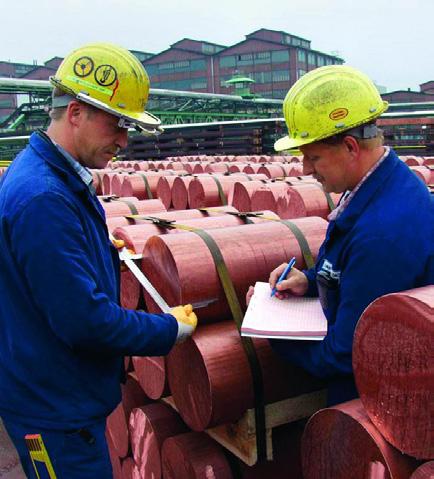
x=63 y=334
x=383 y=242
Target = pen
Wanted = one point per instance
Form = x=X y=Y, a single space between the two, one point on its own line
x=283 y=275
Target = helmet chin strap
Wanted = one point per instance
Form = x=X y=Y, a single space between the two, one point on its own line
x=364 y=132
x=61 y=101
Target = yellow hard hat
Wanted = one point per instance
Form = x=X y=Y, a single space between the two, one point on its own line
x=110 y=78
x=327 y=101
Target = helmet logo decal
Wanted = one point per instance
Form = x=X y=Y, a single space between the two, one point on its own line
x=338 y=114
x=83 y=67
x=105 y=75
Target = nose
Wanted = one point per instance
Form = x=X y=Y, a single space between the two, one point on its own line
x=122 y=138
x=307 y=167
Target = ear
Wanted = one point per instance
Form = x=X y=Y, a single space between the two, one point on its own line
x=75 y=112
x=352 y=146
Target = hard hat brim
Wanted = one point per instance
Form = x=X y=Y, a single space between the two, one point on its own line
x=287 y=143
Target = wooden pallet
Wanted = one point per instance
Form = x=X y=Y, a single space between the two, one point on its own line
x=240 y=437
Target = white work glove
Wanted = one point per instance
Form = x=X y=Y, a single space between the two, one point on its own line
x=187 y=321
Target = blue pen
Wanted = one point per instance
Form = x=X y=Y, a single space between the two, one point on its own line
x=283 y=275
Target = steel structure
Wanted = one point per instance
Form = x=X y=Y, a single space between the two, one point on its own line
x=173 y=107
x=206 y=116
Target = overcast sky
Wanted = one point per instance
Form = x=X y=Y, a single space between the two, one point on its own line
x=391 y=40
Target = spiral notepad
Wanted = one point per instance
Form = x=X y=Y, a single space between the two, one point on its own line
x=292 y=318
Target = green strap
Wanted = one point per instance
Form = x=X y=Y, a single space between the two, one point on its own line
x=148 y=188
x=302 y=242
x=221 y=192
x=330 y=201
x=212 y=209
x=247 y=342
x=130 y=205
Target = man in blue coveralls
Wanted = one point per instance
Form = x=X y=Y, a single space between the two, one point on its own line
x=63 y=333
x=380 y=238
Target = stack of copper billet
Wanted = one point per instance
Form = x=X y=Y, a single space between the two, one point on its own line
x=196 y=417
x=392 y=422
x=289 y=198
x=191 y=414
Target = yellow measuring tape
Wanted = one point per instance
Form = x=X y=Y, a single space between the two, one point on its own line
x=39 y=454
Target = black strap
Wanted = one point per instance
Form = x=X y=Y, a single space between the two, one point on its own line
x=147 y=187
x=221 y=192
x=302 y=242
x=245 y=216
x=237 y=315
x=130 y=205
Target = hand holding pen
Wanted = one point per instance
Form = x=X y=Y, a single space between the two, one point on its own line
x=292 y=281
x=283 y=275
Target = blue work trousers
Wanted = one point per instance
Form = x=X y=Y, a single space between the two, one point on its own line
x=79 y=454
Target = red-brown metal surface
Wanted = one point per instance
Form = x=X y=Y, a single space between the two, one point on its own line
x=203 y=191
x=149 y=426
x=130 y=291
x=180 y=192
x=97 y=176
x=116 y=182
x=132 y=394
x=120 y=207
x=114 y=459
x=10 y=466
x=164 y=190
x=341 y=442
x=393 y=360
x=128 y=466
x=151 y=373
x=376 y=471
x=241 y=194
x=424 y=173
x=236 y=167
x=221 y=167
x=194 y=455
x=276 y=170
x=412 y=160
x=176 y=166
x=252 y=168
x=117 y=431
x=136 y=236
x=134 y=185
x=425 y=471
x=114 y=222
x=182 y=269
x=307 y=199
x=107 y=182
x=199 y=168
x=141 y=166
x=266 y=197
x=211 y=381
x=117 y=423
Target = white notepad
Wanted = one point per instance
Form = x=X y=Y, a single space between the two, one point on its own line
x=292 y=318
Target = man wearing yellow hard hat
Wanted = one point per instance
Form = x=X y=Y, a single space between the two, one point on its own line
x=64 y=334
x=380 y=237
